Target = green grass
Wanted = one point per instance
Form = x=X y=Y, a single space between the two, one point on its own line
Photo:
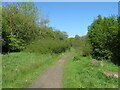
x=79 y=74
x=20 y=69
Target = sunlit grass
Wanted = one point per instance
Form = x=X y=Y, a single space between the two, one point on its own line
x=81 y=74
x=19 y=69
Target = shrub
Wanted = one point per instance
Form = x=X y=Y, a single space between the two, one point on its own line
x=48 y=46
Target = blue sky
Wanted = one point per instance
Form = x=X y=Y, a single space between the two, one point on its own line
x=74 y=17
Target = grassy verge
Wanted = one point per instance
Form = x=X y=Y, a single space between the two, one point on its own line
x=80 y=74
x=19 y=69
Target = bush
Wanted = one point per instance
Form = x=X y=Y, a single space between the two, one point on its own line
x=48 y=46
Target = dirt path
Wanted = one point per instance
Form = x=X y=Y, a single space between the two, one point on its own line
x=51 y=78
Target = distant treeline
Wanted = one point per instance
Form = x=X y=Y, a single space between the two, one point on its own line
x=24 y=28
x=102 y=40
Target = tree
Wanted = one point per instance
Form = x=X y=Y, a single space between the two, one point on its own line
x=102 y=34
x=18 y=27
x=22 y=31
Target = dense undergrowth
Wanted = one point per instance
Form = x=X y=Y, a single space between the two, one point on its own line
x=78 y=73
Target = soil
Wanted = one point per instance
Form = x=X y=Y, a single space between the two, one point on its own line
x=111 y=73
x=51 y=77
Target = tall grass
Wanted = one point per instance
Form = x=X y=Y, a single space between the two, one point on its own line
x=19 y=69
x=80 y=74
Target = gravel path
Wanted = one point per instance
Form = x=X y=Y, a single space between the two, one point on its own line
x=51 y=77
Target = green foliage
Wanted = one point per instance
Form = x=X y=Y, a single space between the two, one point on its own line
x=21 y=27
x=116 y=48
x=49 y=41
x=48 y=46
x=102 y=34
x=80 y=74
x=18 y=27
x=81 y=45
